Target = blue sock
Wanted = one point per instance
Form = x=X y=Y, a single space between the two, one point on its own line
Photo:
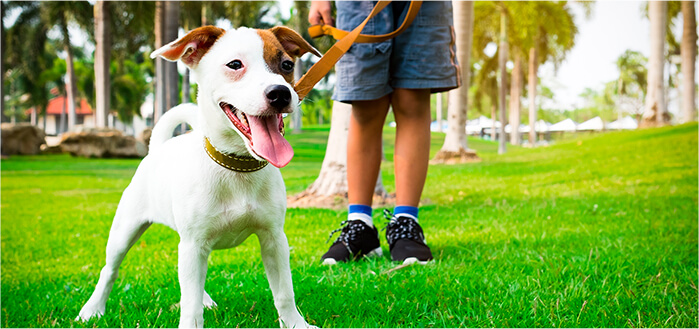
x=407 y=211
x=361 y=212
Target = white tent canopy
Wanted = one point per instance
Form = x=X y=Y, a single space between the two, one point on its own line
x=592 y=124
x=627 y=123
x=565 y=125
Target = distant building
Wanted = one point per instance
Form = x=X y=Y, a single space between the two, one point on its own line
x=84 y=115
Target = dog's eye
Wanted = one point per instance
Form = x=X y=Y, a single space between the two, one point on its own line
x=235 y=64
x=287 y=66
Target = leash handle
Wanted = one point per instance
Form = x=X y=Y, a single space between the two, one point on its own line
x=345 y=41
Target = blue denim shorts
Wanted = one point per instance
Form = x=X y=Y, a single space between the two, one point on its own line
x=422 y=57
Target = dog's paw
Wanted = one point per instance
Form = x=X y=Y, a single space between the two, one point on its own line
x=88 y=313
x=300 y=323
x=208 y=302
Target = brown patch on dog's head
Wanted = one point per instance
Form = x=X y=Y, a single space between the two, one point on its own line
x=282 y=44
x=191 y=47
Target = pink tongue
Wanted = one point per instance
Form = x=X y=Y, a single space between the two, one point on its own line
x=268 y=142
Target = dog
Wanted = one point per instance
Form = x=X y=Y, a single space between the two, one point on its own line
x=213 y=185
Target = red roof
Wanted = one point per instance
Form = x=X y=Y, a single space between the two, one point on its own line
x=56 y=104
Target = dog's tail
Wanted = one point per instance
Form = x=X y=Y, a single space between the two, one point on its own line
x=183 y=113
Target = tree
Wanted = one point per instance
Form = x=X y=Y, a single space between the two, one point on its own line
x=60 y=13
x=26 y=53
x=329 y=190
x=688 y=50
x=655 y=113
x=502 y=63
x=632 y=82
x=455 y=148
x=551 y=31
x=102 y=60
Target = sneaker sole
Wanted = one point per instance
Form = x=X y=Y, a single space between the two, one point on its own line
x=378 y=252
x=414 y=260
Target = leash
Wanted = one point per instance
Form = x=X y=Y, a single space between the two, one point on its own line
x=345 y=41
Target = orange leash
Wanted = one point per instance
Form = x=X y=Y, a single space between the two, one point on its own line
x=345 y=41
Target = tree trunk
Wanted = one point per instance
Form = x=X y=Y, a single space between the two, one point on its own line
x=330 y=188
x=688 y=51
x=533 y=81
x=515 y=102
x=71 y=89
x=296 y=116
x=455 y=148
x=439 y=112
x=102 y=54
x=172 y=77
x=159 y=62
x=494 y=116
x=655 y=113
x=502 y=62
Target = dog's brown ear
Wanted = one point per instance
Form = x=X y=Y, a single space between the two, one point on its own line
x=191 y=47
x=293 y=43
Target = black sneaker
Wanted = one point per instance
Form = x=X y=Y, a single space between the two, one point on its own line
x=356 y=240
x=406 y=240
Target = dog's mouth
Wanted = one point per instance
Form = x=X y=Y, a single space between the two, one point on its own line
x=265 y=134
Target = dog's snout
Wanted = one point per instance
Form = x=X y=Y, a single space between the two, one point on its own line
x=278 y=96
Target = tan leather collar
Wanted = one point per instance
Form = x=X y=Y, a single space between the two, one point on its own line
x=233 y=162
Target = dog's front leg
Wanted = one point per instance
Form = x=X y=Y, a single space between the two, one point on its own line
x=192 y=274
x=275 y=256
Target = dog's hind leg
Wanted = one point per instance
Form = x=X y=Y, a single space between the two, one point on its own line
x=124 y=233
x=191 y=270
x=275 y=256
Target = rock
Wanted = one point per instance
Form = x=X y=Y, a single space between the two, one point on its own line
x=102 y=143
x=144 y=136
x=22 y=138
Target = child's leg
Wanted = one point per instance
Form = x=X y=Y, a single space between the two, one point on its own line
x=364 y=148
x=411 y=108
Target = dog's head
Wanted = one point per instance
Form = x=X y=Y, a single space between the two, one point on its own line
x=245 y=80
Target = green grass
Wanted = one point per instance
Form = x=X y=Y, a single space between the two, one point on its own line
x=600 y=231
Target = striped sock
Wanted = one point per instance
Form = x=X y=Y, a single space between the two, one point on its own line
x=361 y=212
x=406 y=211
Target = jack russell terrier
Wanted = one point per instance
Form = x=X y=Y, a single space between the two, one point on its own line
x=213 y=185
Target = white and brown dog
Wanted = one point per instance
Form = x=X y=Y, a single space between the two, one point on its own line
x=213 y=185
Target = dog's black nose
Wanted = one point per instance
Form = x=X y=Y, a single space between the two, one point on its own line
x=278 y=96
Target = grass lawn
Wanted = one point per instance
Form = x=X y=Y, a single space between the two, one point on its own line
x=599 y=231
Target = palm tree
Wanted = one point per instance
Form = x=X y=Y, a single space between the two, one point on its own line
x=655 y=113
x=102 y=60
x=455 y=148
x=502 y=63
x=688 y=51
x=26 y=53
x=551 y=31
x=60 y=13
x=631 y=84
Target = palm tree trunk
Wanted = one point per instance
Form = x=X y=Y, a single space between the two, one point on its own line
x=502 y=62
x=688 y=51
x=159 y=62
x=533 y=80
x=172 y=77
x=515 y=102
x=494 y=116
x=331 y=184
x=439 y=112
x=296 y=115
x=655 y=113
x=455 y=148
x=71 y=89
x=102 y=59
